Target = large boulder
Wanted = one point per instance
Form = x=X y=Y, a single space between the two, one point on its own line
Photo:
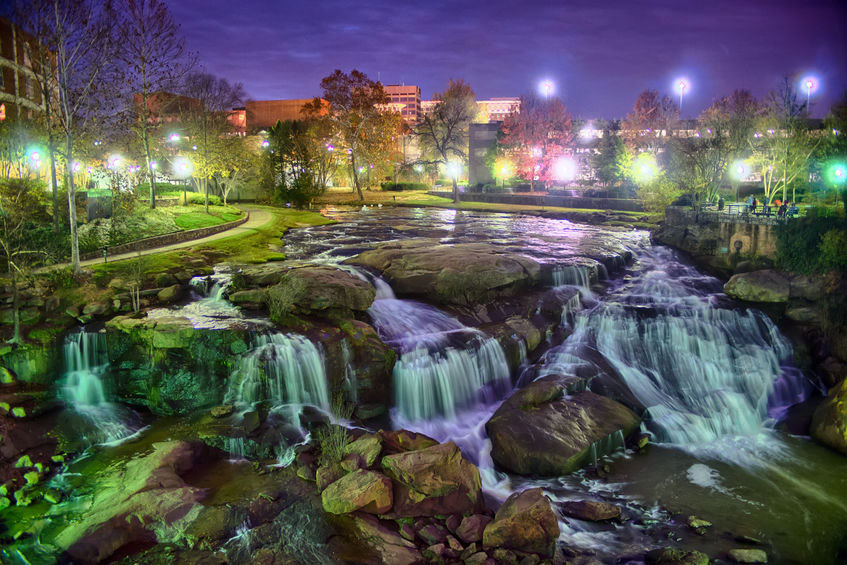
x=388 y=545
x=309 y=288
x=543 y=430
x=758 y=286
x=360 y=490
x=465 y=273
x=132 y=499
x=433 y=481
x=525 y=522
x=829 y=423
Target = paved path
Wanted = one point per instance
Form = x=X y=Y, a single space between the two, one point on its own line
x=258 y=218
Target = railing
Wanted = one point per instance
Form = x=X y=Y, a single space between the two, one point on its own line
x=731 y=214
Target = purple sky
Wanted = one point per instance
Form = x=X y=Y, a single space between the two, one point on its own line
x=599 y=53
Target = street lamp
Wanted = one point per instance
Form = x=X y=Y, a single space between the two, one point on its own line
x=265 y=143
x=681 y=86
x=836 y=175
x=564 y=169
x=546 y=87
x=645 y=169
x=810 y=83
x=174 y=137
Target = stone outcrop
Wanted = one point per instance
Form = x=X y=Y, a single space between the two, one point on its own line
x=432 y=481
x=829 y=423
x=542 y=430
x=360 y=490
x=525 y=522
x=591 y=510
x=759 y=286
x=462 y=274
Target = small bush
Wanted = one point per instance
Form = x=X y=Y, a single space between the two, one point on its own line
x=399 y=186
x=834 y=249
x=334 y=439
x=800 y=242
x=283 y=297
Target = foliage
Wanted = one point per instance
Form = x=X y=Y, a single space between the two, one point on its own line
x=536 y=136
x=300 y=159
x=834 y=249
x=801 y=245
x=366 y=132
x=400 y=186
x=610 y=149
x=650 y=116
x=443 y=132
x=658 y=194
x=333 y=438
x=283 y=296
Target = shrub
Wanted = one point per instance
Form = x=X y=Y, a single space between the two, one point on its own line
x=834 y=249
x=301 y=191
x=283 y=296
x=657 y=195
x=399 y=186
x=333 y=439
x=800 y=246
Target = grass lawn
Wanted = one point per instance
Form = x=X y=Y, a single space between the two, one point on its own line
x=193 y=217
x=345 y=196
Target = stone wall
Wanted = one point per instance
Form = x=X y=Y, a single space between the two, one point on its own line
x=541 y=200
x=166 y=239
x=718 y=234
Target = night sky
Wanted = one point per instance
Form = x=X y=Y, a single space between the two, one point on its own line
x=600 y=54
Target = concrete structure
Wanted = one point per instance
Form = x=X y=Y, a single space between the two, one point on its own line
x=481 y=137
x=20 y=93
x=492 y=110
x=406 y=100
x=237 y=119
x=264 y=114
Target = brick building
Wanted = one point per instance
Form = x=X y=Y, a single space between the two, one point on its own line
x=20 y=92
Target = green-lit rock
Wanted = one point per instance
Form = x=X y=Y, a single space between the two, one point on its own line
x=360 y=490
x=23 y=461
x=758 y=286
x=748 y=556
x=368 y=447
x=31 y=477
x=525 y=522
x=829 y=423
x=541 y=430
x=170 y=294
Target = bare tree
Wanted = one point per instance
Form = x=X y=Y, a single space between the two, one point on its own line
x=81 y=35
x=154 y=60
x=443 y=133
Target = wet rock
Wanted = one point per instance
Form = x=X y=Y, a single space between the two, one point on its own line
x=747 y=556
x=97 y=309
x=463 y=274
x=407 y=531
x=758 y=286
x=478 y=559
x=352 y=462
x=170 y=294
x=306 y=472
x=433 y=534
x=252 y=299
x=829 y=423
x=401 y=441
x=697 y=524
x=525 y=522
x=591 y=510
x=328 y=474
x=368 y=447
x=360 y=490
x=541 y=430
x=673 y=556
x=222 y=411
x=433 y=481
x=131 y=499
x=472 y=527
x=389 y=546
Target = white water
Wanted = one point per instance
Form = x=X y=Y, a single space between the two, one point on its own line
x=703 y=373
x=444 y=367
x=84 y=392
x=285 y=370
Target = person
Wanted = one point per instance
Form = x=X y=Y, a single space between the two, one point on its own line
x=754 y=205
x=720 y=204
x=793 y=210
x=782 y=209
x=750 y=203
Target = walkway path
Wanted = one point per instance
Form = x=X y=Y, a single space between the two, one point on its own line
x=258 y=218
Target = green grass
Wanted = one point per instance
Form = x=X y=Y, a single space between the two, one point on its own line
x=199 y=219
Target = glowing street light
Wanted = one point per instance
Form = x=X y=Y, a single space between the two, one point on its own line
x=112 y=161
x=153 y=165
x=810 y=83
x=265 y=143
x=740 y=170
x=454 y=169
x=182 y=167
x=681 y=86
x=564 y=169
x=546 y=87
x=645 y=168
x=76 y=166
x=174 y=137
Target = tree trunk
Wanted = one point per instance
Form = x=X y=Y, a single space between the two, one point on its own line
x=54 y=182
x=16 y=305
x=146 y=140
x=206 y=185
x=72 y=202
x=356 y=178
x=455 y=190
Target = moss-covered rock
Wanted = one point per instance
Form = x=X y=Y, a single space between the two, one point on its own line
x=525 y=522
x=829 y=423
x=360 y=490
x=758 y=286
x=542 y=430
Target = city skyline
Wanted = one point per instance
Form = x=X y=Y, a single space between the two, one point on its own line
x=598 y=57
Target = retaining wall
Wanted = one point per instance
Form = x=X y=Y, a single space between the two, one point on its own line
x=548 y=200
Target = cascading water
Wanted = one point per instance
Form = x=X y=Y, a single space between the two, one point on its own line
x=286 y=371
x=701 y=371
x=443 y=366
x=212 y=310
x=83 y=390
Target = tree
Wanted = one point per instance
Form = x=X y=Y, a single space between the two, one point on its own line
x=443 y=132
x=782 y=146
x=152 y=55
x=537 y=136
x=610 y=148
x=651 y=116
x=364 y=130
x=81 y=33
x=20 y=214
x=204 y=119
x=302 y=158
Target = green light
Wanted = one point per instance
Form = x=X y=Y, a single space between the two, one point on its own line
x=645 y=168
x=836 y=174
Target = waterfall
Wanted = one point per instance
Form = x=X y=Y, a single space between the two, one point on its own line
x=574 y=275
x=83 y=390
x=213 y=310
x=703 y=372
x=286 y=371
x=214 y=286
x=350 y=376
x=443 y=365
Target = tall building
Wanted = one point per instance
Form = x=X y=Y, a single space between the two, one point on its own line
x=264 y=114
x=20 y=93
x=490 y=111
x=406 y=100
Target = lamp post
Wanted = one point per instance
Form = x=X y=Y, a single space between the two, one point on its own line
x=809 y=85
x=546 y=88
x=681 y=86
